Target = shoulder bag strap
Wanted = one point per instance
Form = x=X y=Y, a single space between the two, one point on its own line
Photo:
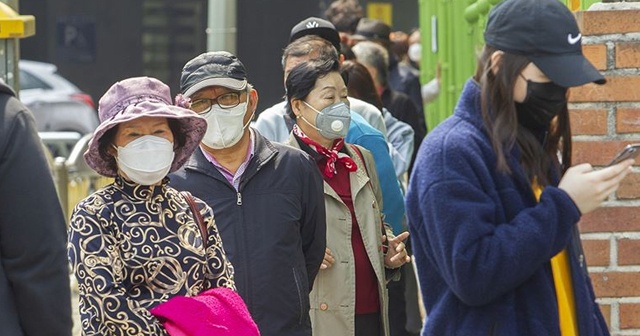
x=197 y=216
x=385 y=246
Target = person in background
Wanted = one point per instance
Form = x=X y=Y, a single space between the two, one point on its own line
x=349 y=297
x=267 y=197
x=401 y=78
x=136 y=243
x=376 y=59
x=401 y=303
x=344 y=15
x=399 y=46
x=494 y=201
x=430 y=90
x=35 y=297
x=360 y=85
x=414 y=52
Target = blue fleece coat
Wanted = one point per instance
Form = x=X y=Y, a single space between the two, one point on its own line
x=481 y=241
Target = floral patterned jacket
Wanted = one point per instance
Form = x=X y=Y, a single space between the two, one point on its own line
x=133 y=247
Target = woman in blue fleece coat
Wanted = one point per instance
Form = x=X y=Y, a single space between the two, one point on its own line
x=493 y=201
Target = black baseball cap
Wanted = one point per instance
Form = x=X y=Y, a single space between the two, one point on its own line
x=316 y=26
x=216 y=68
x=546 y=32
x=371 y=29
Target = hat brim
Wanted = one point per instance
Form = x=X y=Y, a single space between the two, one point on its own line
x=568 y=70
x=190 y=124
x=227 y=82
x=326 y=33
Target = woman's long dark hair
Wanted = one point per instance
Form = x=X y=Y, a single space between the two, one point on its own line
x=500 y=120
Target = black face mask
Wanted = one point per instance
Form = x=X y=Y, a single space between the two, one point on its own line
x=544 y=101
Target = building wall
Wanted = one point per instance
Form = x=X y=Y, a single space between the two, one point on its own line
x=112 y=50
x=96 y=43
x=156 y=37
x=604 y=119
x=263 y=33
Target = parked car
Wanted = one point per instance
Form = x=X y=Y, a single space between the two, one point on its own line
x=57 y=104
x=60 y=144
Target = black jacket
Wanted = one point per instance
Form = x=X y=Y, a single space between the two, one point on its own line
x=273 y=230
x=35 y=298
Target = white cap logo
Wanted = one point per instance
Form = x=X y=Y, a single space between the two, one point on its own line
x=573 y=40
x=312 y=24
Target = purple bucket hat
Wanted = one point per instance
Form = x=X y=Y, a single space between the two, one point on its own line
x=137 y=97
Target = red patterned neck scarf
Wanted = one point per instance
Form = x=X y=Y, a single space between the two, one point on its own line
x=333 y=155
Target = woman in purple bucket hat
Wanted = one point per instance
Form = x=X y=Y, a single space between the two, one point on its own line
x=136 y=243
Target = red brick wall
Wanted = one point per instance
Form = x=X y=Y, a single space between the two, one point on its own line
x=605 y=119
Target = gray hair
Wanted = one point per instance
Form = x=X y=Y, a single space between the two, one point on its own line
x=307 y=45
x=374 y=55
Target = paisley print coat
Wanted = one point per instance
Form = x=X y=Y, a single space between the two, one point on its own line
x=133 y=247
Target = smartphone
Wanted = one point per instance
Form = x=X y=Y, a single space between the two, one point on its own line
x=629 y=152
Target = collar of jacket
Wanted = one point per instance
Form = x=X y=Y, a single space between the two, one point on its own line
x=4 y=88
x=317 y=157
x=264 y=151
x=361 y=176
x=469 y=109
x=137 y=192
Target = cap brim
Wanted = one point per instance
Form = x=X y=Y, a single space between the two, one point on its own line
x=326 y=33
x=229 y=83
x=568 y=70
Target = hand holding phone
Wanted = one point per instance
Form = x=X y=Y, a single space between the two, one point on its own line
x=629 y=152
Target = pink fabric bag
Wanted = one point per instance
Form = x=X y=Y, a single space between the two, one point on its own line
x=214 y=312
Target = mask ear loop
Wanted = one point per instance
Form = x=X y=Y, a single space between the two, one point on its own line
x=307 y=121
x=526 y=81
x=252 y=113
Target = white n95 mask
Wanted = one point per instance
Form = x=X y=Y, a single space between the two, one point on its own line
x=146 y=160
x=224 y=126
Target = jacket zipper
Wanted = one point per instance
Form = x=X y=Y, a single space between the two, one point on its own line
x=239 y=198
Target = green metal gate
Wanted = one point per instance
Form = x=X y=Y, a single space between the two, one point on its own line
x=451 y=38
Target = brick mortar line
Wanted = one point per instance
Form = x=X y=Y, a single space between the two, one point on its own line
x=616 y=269
x=625 y=299
x=622 y=204
x=614 y=37
x=607 y=236
x=606 y=138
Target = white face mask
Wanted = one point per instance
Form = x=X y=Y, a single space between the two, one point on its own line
x=415 y=52
x=146 y=160
x=224 y=126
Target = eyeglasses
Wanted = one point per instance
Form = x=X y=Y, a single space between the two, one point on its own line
x=225 y=101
